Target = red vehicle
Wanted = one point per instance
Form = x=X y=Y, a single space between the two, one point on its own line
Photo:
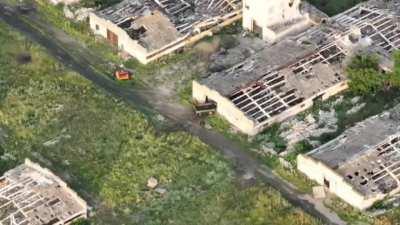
x=123 y=75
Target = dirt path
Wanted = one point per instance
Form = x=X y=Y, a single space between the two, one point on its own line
x=59 y=44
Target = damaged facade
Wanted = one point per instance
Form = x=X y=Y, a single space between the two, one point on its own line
x=32 y=195
x=274 y=19
x=287 y=77
x=362 y=165
x=150 y=29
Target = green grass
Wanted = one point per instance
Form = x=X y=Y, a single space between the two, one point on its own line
x=348 y=213
x=106 y=151
x=222 y=126
x=299 y=148
x=293 y=176
x=272 y=135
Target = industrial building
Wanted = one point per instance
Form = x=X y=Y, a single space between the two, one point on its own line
x=274 y=19
x=288 y=76
x=362 y=166
x=150 y=29
x=32 y=195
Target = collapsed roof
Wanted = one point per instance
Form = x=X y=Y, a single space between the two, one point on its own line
x=163 y=21
x=30 y=195
x=368 y=154
x=285 y=74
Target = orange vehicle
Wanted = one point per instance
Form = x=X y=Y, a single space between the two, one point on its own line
x=123 y=75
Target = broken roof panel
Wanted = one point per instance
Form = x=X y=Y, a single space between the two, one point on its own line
x=256 y=66
x=184 y=14
x=30 y=195
x=282 y=75
x=368 y=154
x=155 y=24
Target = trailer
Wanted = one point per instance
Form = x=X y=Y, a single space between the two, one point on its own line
x=207 y=108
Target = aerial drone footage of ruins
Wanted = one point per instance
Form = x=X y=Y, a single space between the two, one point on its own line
x=194 y=112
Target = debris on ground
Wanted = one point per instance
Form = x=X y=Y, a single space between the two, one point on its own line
x=78 y=15
x=56 y=140
x=356 y=108
x=24 y=58
x=161 y=191
x=319 y=192
x=285 y=163
x=152 y=183
x=296 y=130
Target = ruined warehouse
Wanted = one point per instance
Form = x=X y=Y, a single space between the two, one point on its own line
x=150 y=29
x=275 y=19
x=362 y=165
x=32 y=195
x=288 y=76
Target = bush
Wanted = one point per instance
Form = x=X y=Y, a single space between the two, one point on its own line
x=81 y=222
x=365 y=76
x=363 y=73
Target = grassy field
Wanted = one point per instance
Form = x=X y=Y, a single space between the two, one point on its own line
x=107 y=151
x=196 y=194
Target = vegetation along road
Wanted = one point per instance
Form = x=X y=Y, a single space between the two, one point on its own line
x=73 y=55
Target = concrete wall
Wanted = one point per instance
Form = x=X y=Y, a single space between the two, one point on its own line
x=269 y=12
x=272 y=36
x=238 y=119
x=100 y=26
x=319 y=172
x=225 y=108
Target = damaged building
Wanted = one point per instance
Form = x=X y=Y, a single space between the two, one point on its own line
x=32 y=195
x=150 y=29
x=362 y=165
x=274 y=19
x=287 y=77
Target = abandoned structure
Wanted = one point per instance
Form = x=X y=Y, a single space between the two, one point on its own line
x=150 y=29
x=287 y=77
x=32 y=195
x=65 y=2
x=362 y=165
x=274 y=19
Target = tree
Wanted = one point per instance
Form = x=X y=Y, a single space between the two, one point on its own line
x=394 y=76
x=81 y=222
x=364 y=62
x=365 y=81
x=363 y=73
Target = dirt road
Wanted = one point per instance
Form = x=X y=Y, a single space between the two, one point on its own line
x=61 y=46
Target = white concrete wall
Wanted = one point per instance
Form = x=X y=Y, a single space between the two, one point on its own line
x=238 y=119
x=319 y=172
x=99 y=26
x=269 y=12
x=272 y=36
x=133 y=48
x=225 y=108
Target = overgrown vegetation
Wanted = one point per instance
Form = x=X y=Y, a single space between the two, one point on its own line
x=334 y=7
x=272 y=137
x=98 y=3
x=366 y=78
x=107 y=151
x=301 y=147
